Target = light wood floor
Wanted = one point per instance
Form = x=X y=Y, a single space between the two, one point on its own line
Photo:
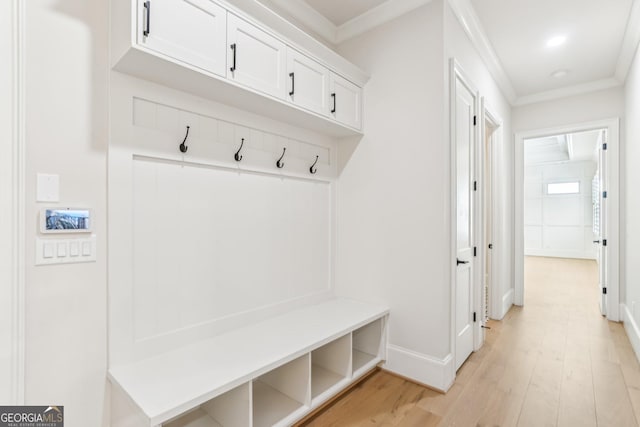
x=554 y=362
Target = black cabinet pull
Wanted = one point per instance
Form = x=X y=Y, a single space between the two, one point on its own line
x=147 y=28
x=333 y=95
x=293 y=84
x=233 y=48
x=458 y=262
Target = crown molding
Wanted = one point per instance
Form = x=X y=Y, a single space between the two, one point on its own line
x=629 y=43
x=381 y=14
x=568 y=91
x=309 y=17
x=463 y=10
x=317 y=22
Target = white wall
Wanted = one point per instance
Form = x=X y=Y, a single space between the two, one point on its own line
x=6 y=204
x=631 y=209
x=393 y=202
x=66 y=134
x=394 y=190
x=559 y=225
x=577 y=109
x=458 y=46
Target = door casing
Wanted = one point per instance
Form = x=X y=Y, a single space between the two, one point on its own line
x=12 y=190
x=612 y=126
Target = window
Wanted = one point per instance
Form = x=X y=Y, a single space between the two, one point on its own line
x=563 y=188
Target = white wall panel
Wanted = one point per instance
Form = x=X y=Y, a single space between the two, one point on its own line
x=533 y=213
x=199 y=243
x=210 y=243
x=555 y=224
x=533 y=236
x=533 y=188
x=563 y=238
x=562 y=210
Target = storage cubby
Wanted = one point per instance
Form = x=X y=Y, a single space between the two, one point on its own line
x=330 y=365
x=280 y=393
x=230 y=409
x=366 y=345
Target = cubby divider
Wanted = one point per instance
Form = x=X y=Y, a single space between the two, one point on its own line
x=281 y=393
x=330 y=365
x=366 y=345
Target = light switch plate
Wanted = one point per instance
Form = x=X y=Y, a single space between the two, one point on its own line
x=48 y=188
x=65 y=251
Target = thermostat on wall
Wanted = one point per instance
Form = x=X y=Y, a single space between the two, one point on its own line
x=65 y=220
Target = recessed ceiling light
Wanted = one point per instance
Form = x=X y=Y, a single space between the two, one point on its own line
x=556 y=41
x=559 y=74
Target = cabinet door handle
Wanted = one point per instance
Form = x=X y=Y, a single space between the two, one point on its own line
x=458 y=262
x=233 y=48
x=293 y=84
x=333 y=95
x=147 y=27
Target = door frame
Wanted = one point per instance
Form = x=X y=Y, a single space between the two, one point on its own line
x=456 y=72
x=12 y=143
x=612 y=125
x=489 y=115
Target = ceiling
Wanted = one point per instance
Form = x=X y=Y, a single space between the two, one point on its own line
x=519 y=30
x=511 y=36
x=574 y=147
x=341 y=11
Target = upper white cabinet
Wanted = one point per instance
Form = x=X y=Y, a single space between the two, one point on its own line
x=216 y=51
x=308 y=83
x=193 y=31
x=255 y=58
x=346 y=101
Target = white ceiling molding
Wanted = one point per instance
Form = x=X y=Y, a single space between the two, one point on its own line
x=630 y=43
x=372 y=18
x=310 y=17
x=315 y=21
x=463 y=10
x=568 y=91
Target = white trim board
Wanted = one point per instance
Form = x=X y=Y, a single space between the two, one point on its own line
x=631 y=328
x=12 y=202
x=613 y=218
x=360 y=24
x=464 y=11
x=507 y=302
x=431 y=371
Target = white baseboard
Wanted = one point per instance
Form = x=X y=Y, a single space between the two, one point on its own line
x=631 y=327
x=431 y=371
x=558 y=253
x=507 y=302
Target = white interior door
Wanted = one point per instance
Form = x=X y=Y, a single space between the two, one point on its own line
x=193 y=31
x=602 y=222
x=465 y=136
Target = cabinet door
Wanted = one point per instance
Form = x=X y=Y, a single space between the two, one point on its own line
x=346 y=102
x=308 y=82
x=255 y=58
x=192 y=31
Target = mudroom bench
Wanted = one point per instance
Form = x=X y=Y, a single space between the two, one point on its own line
x=272 y=373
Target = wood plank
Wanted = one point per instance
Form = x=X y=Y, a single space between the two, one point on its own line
x=554 y=362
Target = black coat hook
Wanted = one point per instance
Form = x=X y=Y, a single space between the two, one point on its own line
x=183 y=146
x=279 y=163
x=238 y=156
x=311 y=169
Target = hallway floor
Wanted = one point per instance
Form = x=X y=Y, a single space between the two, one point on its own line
x=554 y=362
